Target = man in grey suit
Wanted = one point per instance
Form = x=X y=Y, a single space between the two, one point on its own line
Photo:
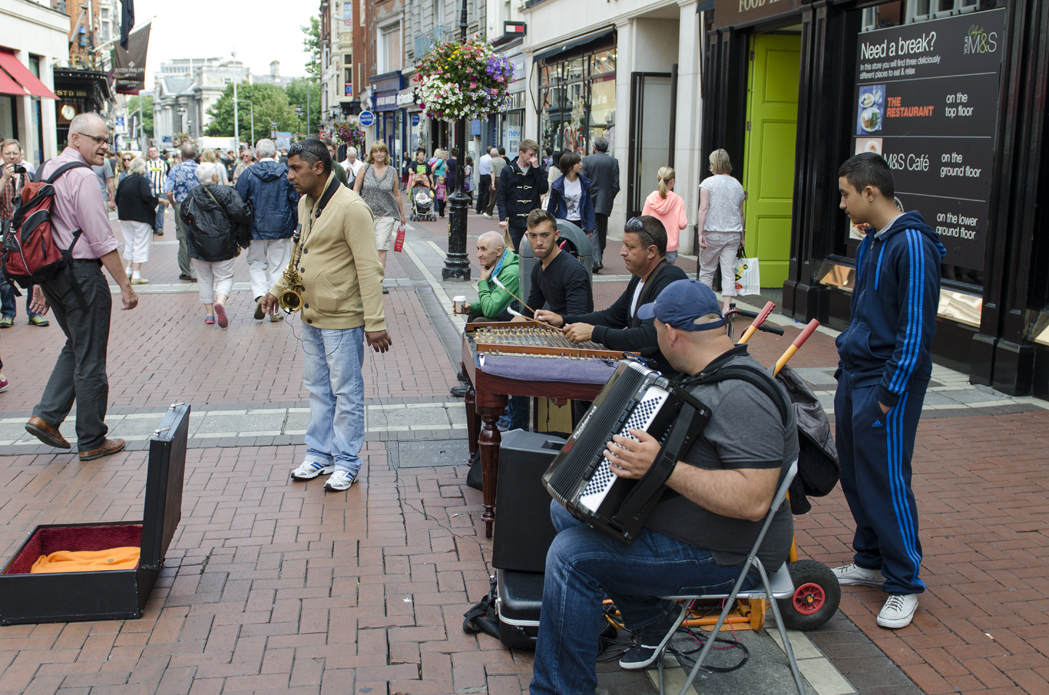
x=603 y=171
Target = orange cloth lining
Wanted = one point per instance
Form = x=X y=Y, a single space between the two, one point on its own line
x=87 y=560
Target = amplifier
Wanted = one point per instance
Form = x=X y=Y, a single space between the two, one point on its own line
x=523 y=531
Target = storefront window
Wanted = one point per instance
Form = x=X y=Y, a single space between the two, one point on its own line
x=578 y=101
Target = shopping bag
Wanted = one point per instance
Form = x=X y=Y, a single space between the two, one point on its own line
x=398 y=243
x=748 y=276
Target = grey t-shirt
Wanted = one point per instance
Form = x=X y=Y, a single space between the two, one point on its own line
x=745 y=431
x=104 y=172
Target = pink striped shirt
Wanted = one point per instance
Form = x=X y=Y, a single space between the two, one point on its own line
x=79 y=205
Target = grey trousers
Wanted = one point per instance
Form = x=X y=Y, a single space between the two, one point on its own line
x=80 y=373
x=185 y=266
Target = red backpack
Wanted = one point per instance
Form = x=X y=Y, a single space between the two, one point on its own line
x=29 y=255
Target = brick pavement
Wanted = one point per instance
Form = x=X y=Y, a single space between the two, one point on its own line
x=275 y=587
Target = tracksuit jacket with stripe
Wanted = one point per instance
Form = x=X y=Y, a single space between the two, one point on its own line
x=885 y=358
x=893 y=309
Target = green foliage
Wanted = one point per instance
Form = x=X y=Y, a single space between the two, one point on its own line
x=270 y=103
x=311 y=41
x=147 y=112
x=297 y=97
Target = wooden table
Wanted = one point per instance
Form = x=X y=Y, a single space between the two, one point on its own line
x=486 y=400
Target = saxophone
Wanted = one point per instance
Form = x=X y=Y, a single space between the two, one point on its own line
x=290 y=300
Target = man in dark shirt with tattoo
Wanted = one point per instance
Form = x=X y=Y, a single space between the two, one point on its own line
x=558 y=279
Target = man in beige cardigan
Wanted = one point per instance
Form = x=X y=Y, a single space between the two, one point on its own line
x=341 y=308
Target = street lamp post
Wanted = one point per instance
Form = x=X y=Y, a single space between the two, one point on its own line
x=456 y=263
x=252 y=123
x=298 y=113
x=236 y=120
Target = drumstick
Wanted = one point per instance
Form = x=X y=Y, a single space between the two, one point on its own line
x=503 y=287
x=512 y=312
x=760 y=319
x=798 y=342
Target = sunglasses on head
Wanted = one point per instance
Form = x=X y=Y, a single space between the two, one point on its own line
x=634 y=225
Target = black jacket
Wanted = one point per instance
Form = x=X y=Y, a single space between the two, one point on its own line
x=215 y=232
x=135 y=200
x=616 y=329
x=603 y=171
x=518 y=193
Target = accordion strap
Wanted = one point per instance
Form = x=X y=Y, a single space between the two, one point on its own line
x=656 y=476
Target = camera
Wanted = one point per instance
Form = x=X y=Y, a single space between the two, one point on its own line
x=19 y=169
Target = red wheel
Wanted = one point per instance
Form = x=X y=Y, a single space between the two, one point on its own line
x=809 y=598
x=815 y=598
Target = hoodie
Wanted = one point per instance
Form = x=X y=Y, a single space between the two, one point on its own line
x=894 y=302
x=272 y=196
x=671 y=212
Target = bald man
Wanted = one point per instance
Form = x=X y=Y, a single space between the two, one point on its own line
x=496 y=261
x=80 y=296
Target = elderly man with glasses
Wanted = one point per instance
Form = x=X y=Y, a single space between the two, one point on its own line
x=80 y=297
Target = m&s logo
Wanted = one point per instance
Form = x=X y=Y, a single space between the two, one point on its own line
x=979 y=40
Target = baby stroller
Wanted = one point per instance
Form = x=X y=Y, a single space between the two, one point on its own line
x=422 y=202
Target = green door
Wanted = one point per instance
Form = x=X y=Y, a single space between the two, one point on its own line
x=768 y=175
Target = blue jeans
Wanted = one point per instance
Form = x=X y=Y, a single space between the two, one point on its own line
x=515 y=417
x=158 y=225
x=582 y=566
x=7 y=300
x=331 y=371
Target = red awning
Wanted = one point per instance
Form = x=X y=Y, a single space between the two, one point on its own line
x=9 y=86
x=20 y=73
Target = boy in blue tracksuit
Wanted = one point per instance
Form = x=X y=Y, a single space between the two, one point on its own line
x=883 y=373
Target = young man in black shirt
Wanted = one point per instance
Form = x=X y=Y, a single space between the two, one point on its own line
x=619 y=327
x=558 y=279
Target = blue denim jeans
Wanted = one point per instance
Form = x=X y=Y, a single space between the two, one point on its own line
x=582 y=567
x=7 y=300
x=331 y=371
x=158 y=224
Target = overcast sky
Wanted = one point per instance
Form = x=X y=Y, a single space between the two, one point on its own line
x=260 y=32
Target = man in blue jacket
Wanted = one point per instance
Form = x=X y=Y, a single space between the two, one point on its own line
x=273 y=198
x=883 y=372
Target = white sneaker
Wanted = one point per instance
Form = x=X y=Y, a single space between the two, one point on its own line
x=860 y=576
x=486 y=215
x=339 y=481
x=274 y=318
x=309 y=470
x=898 y=611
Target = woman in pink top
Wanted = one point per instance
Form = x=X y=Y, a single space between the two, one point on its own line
x=667 y=207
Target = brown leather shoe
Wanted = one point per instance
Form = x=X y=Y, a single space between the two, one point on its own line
x=46 y=433
x=111 y=446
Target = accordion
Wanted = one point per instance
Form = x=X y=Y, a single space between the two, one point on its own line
x=580 y=477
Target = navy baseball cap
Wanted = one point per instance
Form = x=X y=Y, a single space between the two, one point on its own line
x=681 y=303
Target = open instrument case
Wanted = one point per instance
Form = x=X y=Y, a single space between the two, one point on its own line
x=110 y=594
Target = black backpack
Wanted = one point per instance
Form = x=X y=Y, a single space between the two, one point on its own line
x=818 y=468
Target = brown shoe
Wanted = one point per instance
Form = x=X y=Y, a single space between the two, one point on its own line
x=111 y=446
x=46 y=433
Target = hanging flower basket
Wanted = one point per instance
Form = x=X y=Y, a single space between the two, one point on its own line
x=348 y=134
x=181 y=139
x=463 y=81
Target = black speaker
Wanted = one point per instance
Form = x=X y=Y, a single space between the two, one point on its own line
x=523 y=531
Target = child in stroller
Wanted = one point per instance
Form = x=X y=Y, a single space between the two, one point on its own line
x=420 y=189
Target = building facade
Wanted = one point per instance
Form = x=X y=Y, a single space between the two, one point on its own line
x=187 y=87
x=628 y=72
x=33 y=42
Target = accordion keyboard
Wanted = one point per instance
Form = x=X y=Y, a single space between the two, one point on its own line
x=640 y=419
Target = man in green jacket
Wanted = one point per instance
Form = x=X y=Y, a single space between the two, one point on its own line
x=497 y=260
x=501 y=262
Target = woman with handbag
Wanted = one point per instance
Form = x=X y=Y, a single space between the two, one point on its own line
x=218 y=226
x=380 y=188
x=721 y=225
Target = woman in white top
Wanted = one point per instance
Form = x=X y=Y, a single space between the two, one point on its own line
x=720 y=224
x=570 y=197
